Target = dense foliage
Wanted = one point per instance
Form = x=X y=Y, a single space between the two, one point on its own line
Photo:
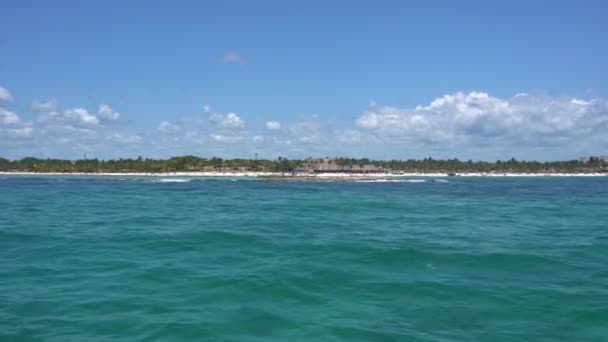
x=193 y=163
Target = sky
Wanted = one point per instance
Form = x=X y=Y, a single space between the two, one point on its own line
x=477 y=80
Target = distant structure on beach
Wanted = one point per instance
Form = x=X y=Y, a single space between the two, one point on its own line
x=189 y=163
x=589 y=159
x=335 y=165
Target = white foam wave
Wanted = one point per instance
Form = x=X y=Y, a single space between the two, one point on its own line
x=391 y=181
x=171 y=180
x=377 y=181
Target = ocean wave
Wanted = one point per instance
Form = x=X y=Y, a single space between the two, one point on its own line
x=280 y=272
x=391 y=181
x=378 y=181
x=171 y=180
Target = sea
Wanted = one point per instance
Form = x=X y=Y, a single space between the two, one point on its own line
x=94 y=258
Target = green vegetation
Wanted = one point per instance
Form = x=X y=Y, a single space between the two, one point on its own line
x=193 y=163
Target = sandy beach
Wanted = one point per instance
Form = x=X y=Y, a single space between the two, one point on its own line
x=304 y=176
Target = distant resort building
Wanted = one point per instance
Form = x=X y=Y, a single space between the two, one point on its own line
x=589 y=159
x=351 y=169
x=331 y=165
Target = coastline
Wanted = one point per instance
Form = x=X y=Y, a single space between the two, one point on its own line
x=301 y=176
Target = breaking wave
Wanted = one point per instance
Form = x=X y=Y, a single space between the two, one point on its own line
x=171 y=180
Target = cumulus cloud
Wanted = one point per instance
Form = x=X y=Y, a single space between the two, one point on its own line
x=477 y=117
x=12 y=127
x=67 y=129
x=226 y=138
x=106 y=113
x=80 y=117
x=75 y=127
x=9 y=118
x=349 y=136
x=77 y=117
x=5 y=95
x=462 y=124
x=273 y=125
x=308 y=131
x=74 y=117
x=242 y=138
x=167 y=127
x=125 y=139
x=229 y=128
x=49 y=106
x=233 y=57
x=20 y=133
x=229 y=121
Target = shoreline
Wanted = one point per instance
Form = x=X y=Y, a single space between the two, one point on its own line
x=301 y=176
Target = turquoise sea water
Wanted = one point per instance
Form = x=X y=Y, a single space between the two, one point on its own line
x=461 y=259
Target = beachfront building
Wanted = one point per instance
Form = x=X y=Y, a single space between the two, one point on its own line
x=336 y=165
x=589 y=159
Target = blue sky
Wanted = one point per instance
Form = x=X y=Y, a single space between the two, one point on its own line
x=384 y=79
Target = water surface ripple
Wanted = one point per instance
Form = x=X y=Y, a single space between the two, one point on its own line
x=502 y=259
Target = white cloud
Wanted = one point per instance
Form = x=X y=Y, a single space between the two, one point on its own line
x=74 y=124
x=68 y=129
x=350 y=136
x=308 y=131
x=229 y=121
x=106 y=113
x=462 y=124
x=477 y=117
x=125 y=139
x=9 y=118
x=273 y=125
x=233 y=57
x=226 y=138
x=81 y=117
x=49 y=106
x=63 y=141
x=71 y=118
x=167 y=127
x=5 y=95
x=20 y=133
x=12 y=127
x=580 y=102
x=368 y=120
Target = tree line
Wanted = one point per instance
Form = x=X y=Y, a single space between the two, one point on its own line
x=194 y=163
